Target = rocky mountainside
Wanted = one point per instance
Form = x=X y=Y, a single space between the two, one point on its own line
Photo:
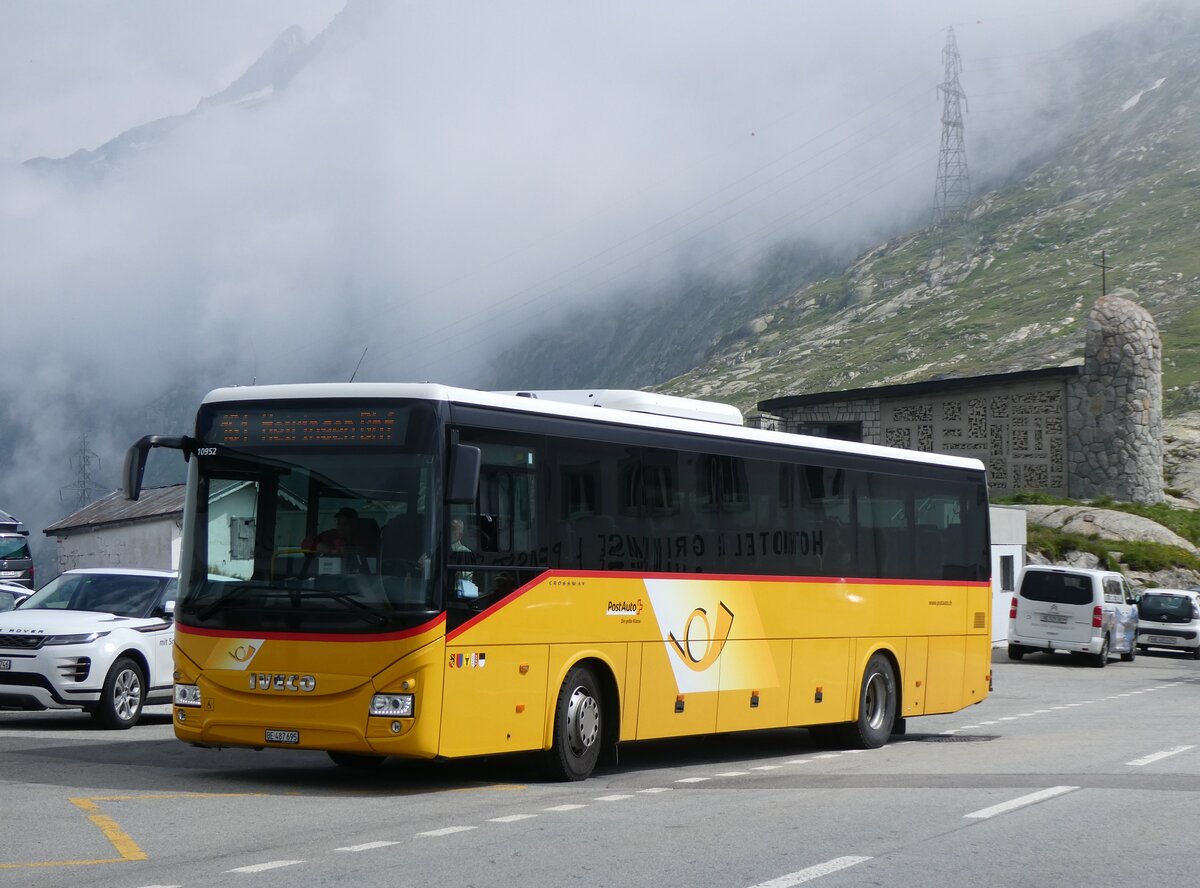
x=1016 y=296
x=1013 y=294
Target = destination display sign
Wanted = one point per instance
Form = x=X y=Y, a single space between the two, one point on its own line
x=271 y=427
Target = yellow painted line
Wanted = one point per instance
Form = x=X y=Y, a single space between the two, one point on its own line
x=121 y=840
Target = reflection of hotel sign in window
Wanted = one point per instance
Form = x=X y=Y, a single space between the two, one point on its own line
x=351 y=425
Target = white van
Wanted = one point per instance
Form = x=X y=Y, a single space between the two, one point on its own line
x=1170 y=618
x=1072 y=609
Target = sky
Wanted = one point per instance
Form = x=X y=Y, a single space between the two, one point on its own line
x=439 y=180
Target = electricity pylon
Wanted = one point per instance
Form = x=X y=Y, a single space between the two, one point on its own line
x=952 y=197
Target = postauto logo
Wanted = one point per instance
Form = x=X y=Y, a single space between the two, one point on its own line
x=624 y=608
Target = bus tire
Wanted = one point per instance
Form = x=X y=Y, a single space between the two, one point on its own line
x=578 y=724
x=356 y=760
x=120 y=704
x=877 y=700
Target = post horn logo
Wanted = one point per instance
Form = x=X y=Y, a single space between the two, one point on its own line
x=714 y=642
x=243 y=652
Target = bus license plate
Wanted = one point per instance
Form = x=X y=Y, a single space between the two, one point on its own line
x=283 y=736
x=5 y=664
x=1054 y=618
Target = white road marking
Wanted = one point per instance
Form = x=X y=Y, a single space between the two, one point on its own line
x=368 y=846
x=262 y=867
x=656 y=789
x=734 y=774
x=613 y=798
x=510 y=818
x=827 y=755
x=449 y=830
x=692 y=779
x=565 y=808
x=1013 y=804
x=798 y=762
x=1158 y=756
x=766 y=767
x=812 y=872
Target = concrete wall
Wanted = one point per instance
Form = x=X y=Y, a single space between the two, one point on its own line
x=147 y=544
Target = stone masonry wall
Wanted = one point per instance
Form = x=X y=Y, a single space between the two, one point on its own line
x=1116 y=447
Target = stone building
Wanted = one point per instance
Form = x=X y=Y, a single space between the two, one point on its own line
x=1081 y=431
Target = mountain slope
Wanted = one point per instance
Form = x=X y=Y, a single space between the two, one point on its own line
x=1126 y=184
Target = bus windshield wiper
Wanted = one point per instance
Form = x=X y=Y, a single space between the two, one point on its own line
x=227 y=595
x=348 y=600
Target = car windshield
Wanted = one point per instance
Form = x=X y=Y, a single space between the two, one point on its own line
x=1162 y=608
x=126 y=595
x=13 y=547
x=1057 y=588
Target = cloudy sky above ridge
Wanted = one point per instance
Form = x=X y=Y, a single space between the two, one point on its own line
x=439 y=179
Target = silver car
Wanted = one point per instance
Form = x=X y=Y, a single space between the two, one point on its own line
x=1170 y=618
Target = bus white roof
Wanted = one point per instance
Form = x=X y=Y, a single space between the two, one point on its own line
x=579 y=409
x=640 y=402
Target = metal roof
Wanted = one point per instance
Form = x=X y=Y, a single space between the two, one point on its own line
x=925 y=387
x=156 y=502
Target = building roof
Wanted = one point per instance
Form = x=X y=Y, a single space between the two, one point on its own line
x=912 y=389
x=155 y=502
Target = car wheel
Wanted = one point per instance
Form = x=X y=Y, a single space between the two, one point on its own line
x=1196 y=653
x=1101 y=659
x=578 y=727
x=1129 y=655
x=121 y=699
x=1015 y=652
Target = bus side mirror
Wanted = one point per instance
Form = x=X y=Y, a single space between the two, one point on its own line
x=464 y=475
x=135 y=459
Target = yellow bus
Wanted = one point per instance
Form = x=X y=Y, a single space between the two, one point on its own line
x=422 y=571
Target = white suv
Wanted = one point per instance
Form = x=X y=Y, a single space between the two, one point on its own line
x=1170 y=618
x=1073 y=609
x=98 y=639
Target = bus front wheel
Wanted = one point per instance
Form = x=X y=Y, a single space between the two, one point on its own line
x=577 y=727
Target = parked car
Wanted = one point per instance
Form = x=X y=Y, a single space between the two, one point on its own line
x=16 y=562
x=1170 y=618
x=1083 y=611
x=99 y=639
x=8 y=599
x=16 y=590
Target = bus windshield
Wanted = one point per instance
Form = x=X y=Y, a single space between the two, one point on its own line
x=314 y=520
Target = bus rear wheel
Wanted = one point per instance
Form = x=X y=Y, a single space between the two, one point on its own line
x=877 y=699
x=578 y=720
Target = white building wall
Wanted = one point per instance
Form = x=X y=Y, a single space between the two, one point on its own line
x=1009 y=538
x=147 y=544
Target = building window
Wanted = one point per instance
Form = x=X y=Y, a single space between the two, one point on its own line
x=1007 y=583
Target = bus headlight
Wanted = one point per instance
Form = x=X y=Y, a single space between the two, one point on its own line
x=187 y=695
x=392 y=705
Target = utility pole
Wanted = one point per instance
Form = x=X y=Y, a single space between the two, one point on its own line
x=83 y=486
x=1105 y=268
x=952 y=196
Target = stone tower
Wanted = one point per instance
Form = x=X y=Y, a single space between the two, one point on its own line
x=1115 y=408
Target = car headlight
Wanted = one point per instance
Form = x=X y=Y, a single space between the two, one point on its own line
x=392 y=705
x=81 y=638
x=187 y=695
